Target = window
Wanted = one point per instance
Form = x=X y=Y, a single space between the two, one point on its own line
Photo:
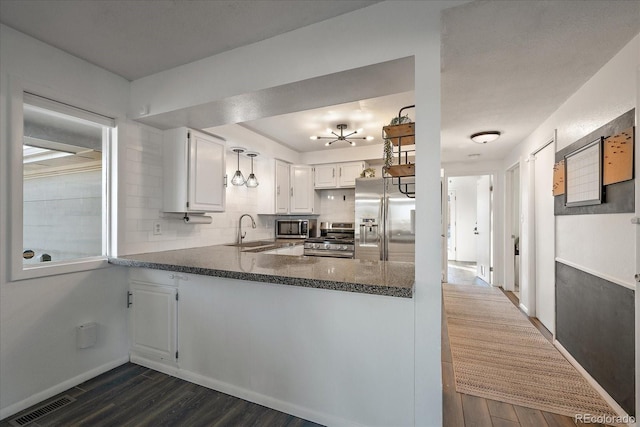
x=64 y=189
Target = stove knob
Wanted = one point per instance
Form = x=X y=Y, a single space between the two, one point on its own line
x=343 y=247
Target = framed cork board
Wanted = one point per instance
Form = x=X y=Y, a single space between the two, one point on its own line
x=618 y=157
x=558 y=178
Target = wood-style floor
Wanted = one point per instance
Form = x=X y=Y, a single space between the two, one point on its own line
x=464 y=410
x=132 y=395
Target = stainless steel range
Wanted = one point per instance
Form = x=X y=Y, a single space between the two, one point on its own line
x=336 y=240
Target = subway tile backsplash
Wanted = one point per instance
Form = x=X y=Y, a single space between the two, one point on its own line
x=337 y=205
x=141 y=183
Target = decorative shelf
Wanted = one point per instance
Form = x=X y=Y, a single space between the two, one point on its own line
x=404 y=134
x=402 y=170
x=403 y=173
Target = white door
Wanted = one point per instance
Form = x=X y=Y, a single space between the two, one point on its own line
x=325 y=176
x=301 y=189
x=348 y=172
x=282 y=187
x=451 y=225
x=153 y=315
x=544 y=235
x=483 y=228
x=206 y=173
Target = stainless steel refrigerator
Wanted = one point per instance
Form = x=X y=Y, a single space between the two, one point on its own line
x=385 y=221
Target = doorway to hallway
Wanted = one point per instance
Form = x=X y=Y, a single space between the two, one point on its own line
x=469 y=228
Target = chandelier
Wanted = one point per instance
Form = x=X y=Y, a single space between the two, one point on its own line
x=342 y=136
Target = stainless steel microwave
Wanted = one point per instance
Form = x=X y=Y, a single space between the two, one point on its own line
x=296 y=228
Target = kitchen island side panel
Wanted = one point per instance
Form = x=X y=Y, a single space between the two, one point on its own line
x=336 y=358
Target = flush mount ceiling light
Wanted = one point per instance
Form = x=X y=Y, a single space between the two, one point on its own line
x=238 y=178
x=252 y=181
x=342 y=136
x=484 y=137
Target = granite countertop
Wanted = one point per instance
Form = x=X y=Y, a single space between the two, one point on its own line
x=389 y=278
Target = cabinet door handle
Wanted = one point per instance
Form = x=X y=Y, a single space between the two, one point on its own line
x=278 y=190
x=225 y=180
x=341 y=171
x=333 y=173
x=129 y=295
x=291 y=191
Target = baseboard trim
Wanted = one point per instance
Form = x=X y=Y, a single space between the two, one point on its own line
x=524 y=308
x=601 y=391
x=59 y=388
x=243 y=393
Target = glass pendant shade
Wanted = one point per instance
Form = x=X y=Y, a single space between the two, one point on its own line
x=252 y=181
x=238 y=178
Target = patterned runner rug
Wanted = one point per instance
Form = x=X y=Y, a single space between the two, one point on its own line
x=498 y=354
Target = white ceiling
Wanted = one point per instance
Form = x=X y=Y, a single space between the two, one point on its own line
x=508 y=65
x=505 y=65
x=137 y=38
x=294 y=130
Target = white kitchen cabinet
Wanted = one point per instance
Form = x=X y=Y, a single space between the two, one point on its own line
x=153 y=320
x=338 y=175
x=282 y=187
x=194 y=171
x=294 y=193
x=301 y=190
x=325 y=176
x=348 y=172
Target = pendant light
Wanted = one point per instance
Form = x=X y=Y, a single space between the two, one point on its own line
x=238 y=178
x=252 y=181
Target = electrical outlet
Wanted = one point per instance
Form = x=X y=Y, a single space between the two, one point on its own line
x=157 y=228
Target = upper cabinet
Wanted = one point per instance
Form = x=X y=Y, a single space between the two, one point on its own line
x=301 y=190
x=338 y=175
x=325 y=176
x=293 y=190
x=282 y=187
x=194 y=171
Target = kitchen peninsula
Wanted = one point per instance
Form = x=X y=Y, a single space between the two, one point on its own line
x=233 y=262
x=326 y=339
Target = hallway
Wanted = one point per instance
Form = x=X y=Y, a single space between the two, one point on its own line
x=466 y=410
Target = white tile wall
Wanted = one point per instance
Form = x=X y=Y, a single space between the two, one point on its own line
x=337 y=205
x=142 y=184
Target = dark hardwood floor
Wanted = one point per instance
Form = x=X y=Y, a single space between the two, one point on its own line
x=131 y=395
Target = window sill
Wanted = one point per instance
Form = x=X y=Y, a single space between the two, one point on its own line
x=56 y=268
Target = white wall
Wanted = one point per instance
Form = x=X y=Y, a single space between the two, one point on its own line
x=38 y=354
x=402 y=29
x=143 y=175
x=337 y=205
x=466 y=216
x=607 y=95
x=602 y=245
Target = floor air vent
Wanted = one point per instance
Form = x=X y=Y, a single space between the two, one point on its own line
x=40 y=412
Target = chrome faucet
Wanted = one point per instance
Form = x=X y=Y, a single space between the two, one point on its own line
x=242 y=235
